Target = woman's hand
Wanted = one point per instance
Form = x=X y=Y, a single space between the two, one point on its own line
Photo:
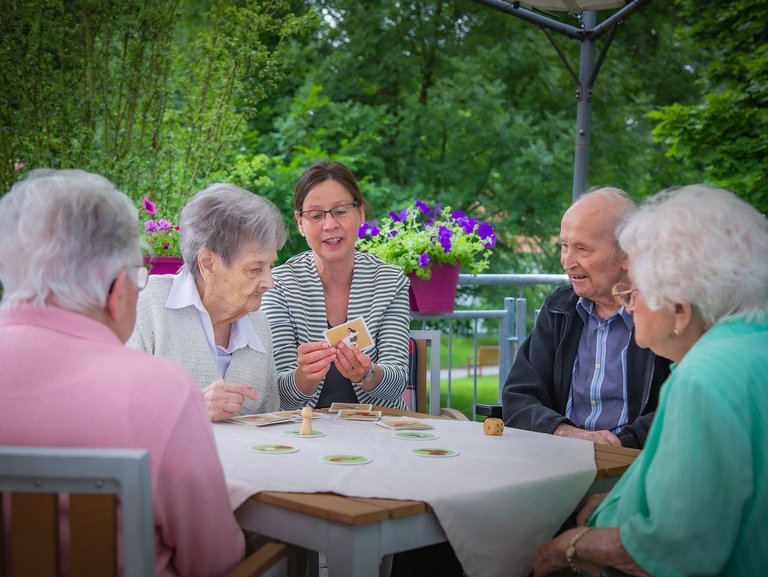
x=550 y=558
x=225 y=399
x=589 y=507
x=314 y=361
x=354 y=365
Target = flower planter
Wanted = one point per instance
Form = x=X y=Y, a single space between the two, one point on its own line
x=436 y=295
x=163 y=264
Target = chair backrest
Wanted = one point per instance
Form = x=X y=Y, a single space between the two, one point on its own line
x=425 y=368
x=34 y=540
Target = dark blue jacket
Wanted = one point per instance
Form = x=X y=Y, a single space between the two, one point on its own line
x=538 y=386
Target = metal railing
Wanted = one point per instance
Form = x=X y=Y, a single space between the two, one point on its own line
x=512 y=319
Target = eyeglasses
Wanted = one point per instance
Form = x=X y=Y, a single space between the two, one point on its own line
x=339 y=212
x=142 y=276
x=624 y=294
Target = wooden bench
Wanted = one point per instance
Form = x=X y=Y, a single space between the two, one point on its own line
x=487 y=356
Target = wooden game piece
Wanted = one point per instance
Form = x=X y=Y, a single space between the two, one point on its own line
x=493 y=426
x=306 y=421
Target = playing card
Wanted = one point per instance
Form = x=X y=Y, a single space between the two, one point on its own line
x=336 y=407
x=353 y=333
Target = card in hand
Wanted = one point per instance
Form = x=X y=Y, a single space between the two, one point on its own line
x=354 y=334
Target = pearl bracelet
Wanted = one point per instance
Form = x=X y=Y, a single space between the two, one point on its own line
x=570 y=552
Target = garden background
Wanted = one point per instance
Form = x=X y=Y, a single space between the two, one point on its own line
x=438 y=100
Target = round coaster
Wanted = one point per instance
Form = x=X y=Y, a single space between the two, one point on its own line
x=346 y=459
x=272 y=449
x=414 y=435
x=433 y=452
x=296 y=433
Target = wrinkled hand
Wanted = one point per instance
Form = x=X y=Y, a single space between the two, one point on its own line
x=589 y=507
x=352 y=364
x=550 y=558
x=599 y=437
x=314 y=360
x=225 y=399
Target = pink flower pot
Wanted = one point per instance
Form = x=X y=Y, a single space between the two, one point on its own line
x=436 y=295
x=163 y=264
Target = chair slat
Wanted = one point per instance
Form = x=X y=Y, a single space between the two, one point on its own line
x=93 y=526
x=34 y=534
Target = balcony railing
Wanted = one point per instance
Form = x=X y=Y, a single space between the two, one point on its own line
x=512 y=319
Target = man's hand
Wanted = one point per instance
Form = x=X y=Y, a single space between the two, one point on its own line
x=599 y=437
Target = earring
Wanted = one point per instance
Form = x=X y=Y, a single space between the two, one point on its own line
x=676 y=333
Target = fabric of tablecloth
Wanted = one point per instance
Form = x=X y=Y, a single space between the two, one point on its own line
x=497 y=501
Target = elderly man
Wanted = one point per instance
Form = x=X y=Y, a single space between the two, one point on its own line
x=580 y=373
x=71 y=269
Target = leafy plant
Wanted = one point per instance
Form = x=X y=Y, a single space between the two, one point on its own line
x=418 y=236
x=161 y=236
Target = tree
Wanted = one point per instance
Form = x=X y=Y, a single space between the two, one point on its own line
x=153 y=94
x=722 y=135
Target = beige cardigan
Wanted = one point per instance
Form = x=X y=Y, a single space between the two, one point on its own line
x=176 y=334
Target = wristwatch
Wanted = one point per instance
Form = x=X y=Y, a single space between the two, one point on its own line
x=368 y=376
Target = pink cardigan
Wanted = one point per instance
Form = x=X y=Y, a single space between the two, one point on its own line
x=66 y=380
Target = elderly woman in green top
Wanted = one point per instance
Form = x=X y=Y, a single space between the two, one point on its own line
x=695 y=502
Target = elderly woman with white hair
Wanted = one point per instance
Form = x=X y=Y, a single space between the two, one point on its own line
x=695 y=502
x=207 y=316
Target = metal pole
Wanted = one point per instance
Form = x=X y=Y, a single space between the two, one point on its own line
x=584 y=106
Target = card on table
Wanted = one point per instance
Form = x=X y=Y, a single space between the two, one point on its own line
x=259 y=420
x=336 y=407
x=353 y=333
x=401 y=425
x=353 y=415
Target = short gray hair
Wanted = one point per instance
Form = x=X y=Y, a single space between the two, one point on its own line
x=64 y=236
x=701 y=245
x=223 y=217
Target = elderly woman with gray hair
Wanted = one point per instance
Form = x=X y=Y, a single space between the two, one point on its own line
x=695 y=501
x=207 y=316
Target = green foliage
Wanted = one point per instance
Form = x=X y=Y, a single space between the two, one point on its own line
x=419 y=236
x=722 y=135
x=153 y=94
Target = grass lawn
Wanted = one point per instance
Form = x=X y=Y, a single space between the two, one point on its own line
x=462 y=348
x=461 y=393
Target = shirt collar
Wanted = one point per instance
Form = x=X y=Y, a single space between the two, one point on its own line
x=585 y=308
x=184 y=294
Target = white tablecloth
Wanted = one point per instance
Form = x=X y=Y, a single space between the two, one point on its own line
x=497 y=501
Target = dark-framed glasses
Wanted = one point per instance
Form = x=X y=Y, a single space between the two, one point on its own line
x=338 y=212
x=624 y=294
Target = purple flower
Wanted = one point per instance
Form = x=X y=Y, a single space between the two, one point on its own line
x=149 y=206
x=164 y=225
x=423 y=260
x=151 y=226
x=401 y=216
x=486 y=232
x=362 y=230
x=444 y=236
x=375 y=230
x=423 y=207
x=393 y=233
x=457 y=214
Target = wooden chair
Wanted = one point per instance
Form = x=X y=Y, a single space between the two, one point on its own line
x=425 y=354
x=33 y=481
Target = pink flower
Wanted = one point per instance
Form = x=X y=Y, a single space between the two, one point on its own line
x=149 y=206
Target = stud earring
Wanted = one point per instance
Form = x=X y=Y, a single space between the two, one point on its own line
x=676 y=333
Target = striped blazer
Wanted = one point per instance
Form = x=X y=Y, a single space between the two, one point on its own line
x=296 y=311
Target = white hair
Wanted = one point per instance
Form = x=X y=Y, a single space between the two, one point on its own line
x=701 y=245
x=64 y=236
x=222 y=217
